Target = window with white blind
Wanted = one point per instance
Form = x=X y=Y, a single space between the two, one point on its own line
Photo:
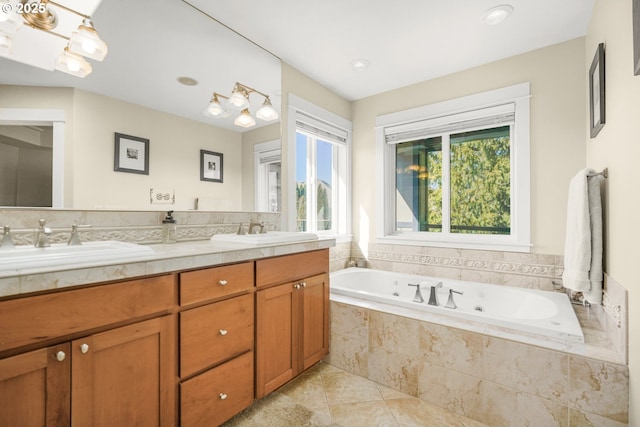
x=319 y=142
x=456 y=173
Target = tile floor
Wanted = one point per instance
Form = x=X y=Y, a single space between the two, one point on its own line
x=328 y=396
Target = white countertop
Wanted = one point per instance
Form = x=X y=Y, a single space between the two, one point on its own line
x=165 y=259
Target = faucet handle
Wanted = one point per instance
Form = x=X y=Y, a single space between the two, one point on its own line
x=241 y=230
x=450 y=302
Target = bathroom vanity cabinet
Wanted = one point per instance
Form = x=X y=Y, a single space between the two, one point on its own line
x=216 y=343
x=95 y=356
x=292 y=317
x=188 y=348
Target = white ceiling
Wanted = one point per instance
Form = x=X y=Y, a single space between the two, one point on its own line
x=406 y=41
x=152 y=42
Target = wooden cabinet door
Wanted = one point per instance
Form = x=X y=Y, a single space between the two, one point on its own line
x=315 y=320
x=276 y=337
x=34 y=388
x=125 y=376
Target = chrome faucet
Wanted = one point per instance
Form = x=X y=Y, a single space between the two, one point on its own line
x=42 y=237
x=74 y=239
x=450 y=302
x=433 y=296
x=7 y=242
x=253 y=225
x=418 y=296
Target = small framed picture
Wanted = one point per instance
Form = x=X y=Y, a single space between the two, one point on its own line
x=131 y=154
x=210 y=166
x=597 y=92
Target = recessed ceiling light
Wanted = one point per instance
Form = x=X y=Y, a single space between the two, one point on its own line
x=187 y=81
x=360 y=64
x=497 y=14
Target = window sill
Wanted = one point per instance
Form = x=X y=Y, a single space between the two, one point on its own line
x=421 y=240
x=340 y=238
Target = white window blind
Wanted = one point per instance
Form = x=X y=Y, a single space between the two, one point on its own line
x=322 y=129
x=470 y=120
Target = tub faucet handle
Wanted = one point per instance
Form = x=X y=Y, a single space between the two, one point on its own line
x=418 y=296
x=433 y=295
x=450 y=302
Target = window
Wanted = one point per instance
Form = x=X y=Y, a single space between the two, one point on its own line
x=267 y=174
x=457 y=173
x=322 y=142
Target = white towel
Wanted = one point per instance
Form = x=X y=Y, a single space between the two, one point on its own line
x=583 y=242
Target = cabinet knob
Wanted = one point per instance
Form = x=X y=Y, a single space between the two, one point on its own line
x=223 y=283
x=223 y=332
x=297 y=286
x=60 y=356
x=304 y=284
x=223 y=396
x=84 y=348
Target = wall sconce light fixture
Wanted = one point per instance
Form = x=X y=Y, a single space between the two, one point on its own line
x=43 y=15
x=239 y=100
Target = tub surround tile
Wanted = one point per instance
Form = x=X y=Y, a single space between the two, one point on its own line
x=519 y=366
x=586 y=419
x=600 y=388
x=350 y=321
x=506 y=407
x=455 y=391
x=394 y=370
x=394 y=333
x=451 y=348
x=349 y=354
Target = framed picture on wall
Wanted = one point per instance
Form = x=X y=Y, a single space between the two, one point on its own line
x=210 y=166
x=597 y=92
x=131 y=154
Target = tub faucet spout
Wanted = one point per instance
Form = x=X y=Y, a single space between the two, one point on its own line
x=433 y=295
x=418 y=296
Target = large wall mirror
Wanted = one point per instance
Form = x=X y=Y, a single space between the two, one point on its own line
x=157 y=50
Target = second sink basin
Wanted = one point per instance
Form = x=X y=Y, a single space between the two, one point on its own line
x=22 y=257
x=269 y=238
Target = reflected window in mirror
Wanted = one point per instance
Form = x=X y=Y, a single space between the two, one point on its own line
x=268 y=175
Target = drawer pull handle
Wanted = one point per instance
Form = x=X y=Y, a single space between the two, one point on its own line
x=60 y=356
x=223 y=282
x=223 y=332
x=223 y=396
x=84 y=348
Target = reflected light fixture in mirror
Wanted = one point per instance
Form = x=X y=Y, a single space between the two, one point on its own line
x=47 y=16
x=239 y=99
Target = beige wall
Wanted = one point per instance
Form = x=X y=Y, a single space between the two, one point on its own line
x=174 y=162
x=617 y=147
x=557 y=132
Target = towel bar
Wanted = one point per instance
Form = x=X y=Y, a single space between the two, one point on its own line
x=604 y=173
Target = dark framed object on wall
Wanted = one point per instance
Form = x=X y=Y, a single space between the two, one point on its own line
x=210 y=166
x=597 y=92
x=131 y=154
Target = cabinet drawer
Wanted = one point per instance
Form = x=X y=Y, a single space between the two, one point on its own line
x=214 y=396
x=291 y=267
x=216 y=282
x=44 y=317
x=215 y=332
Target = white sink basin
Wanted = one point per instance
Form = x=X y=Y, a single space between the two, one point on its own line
x=269 y=238
x=22 y=257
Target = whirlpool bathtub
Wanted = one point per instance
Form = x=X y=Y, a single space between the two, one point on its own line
x=549 y=314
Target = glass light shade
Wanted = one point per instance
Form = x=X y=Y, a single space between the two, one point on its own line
x=267 y=112
x=215 y=109
x=244 y=119
x=85 y=41
x=10 y=21
x=238 y=99
x=73 y=64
